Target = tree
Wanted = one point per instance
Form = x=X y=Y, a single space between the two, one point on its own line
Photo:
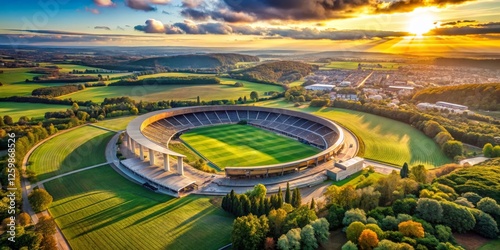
x=296 y=198
x=249 y=232
x=429 y=210
x=411 y=229
x=2 y=123
x=458 y=218
x=453 y=148
x=283 y=243
x=288 y=195
x=368 y=198
x=277 y=220
x=24 y=219
x=349 y=246
x=313 y=204
x=375 y=228
x=7 y=120
x=254 y=95
x=48 y=243
x=307 y=238
x=300 y=217
x=40 y=199
x=404 y=171
x=354 y=230
x=342 y=196
x=487 y=150
x=386 y=186
x=419 y=173
x=335 y=216
x=259 y=191
x=45 y=226
x=293 y=237
x=404 y=206
x=443 y=233
x=389 y=223
x=489 y=205
x=368 y=239
x=353 y=215
x=486 y=225
x=472 y=197
x=75 y=107
x=321 y=229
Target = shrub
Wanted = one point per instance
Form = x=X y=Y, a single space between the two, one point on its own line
x=40 y=199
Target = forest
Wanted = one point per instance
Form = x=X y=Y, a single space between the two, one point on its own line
x=211 y=61
x=281 y=72
x=475 y=96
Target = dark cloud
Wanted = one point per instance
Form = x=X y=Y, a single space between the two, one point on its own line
x=474 y=29
x=198 y=15
x=102 y=28
x=410 y=5
x=235 y=11
x=166 y=12
x=119 y=28
x=139 y=5
x=333 y=34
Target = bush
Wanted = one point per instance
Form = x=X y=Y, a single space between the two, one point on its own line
x=411 y=229
x=238 y=84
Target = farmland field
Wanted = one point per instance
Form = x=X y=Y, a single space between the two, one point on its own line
x=244 y=145
x=354 y=65
x=82 y=147
x=116 y=123
x=99 y=209
x=385 y=140
x=174 y=92
x=31 y=110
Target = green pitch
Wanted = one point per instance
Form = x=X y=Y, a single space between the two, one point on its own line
x=100 y=209
x=244 y=145
x=82 y=147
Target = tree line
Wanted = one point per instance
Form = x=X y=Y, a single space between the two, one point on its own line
x=281 y=72
x=169 y=81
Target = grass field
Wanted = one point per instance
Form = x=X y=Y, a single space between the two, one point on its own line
x=240 y=145
x=492 y=245
x=354 y=65
x=31 y=110
x=385 y=140
x=82 y=147
x=99 y=209
x=116 y=123
x=174 y=92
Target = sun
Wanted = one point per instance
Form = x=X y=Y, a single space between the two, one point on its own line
x=421 y=22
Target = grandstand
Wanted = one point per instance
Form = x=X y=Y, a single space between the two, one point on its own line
x=154 y=131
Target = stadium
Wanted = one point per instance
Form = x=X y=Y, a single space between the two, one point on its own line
x=149 y=136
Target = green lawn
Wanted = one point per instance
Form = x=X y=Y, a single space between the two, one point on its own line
x=31 y=110
x=244 y=145
x=116 y=123
x=492 y=245
x=174 y=92
x=82 y=147
x=99 y=209
x=385 y=140
x=358 y=178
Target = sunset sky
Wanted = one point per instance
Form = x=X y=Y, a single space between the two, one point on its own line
x=364 y=25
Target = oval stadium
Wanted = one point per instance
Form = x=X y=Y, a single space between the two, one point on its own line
x=149 y=137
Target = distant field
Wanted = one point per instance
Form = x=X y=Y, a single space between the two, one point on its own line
x=31 y=110
x=240 y=145
x=174 y=92
x=385 y=140
x=82 y=147
x=354 y=65
x=174 y=74
x=116 y=123
x=99 y=209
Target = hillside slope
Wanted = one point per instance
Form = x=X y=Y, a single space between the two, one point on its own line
x=208 y=61
x=275 y=72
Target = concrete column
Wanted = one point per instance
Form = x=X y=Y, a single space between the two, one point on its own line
x=130 y=145
x=151 y=157
x=166 y=162
x=141 y=152
x=180 y=165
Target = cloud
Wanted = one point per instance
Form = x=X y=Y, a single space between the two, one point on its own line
x=102 y=28
x=145 y=5
x=93 y=11
x=410 y=5
x=235 y=11
x=119 y=28
x=152 y=26
x=189 y=27
x=474 y=29
x=453 y=23
x=165 y=12
x=191 y=3
x=104 y=3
